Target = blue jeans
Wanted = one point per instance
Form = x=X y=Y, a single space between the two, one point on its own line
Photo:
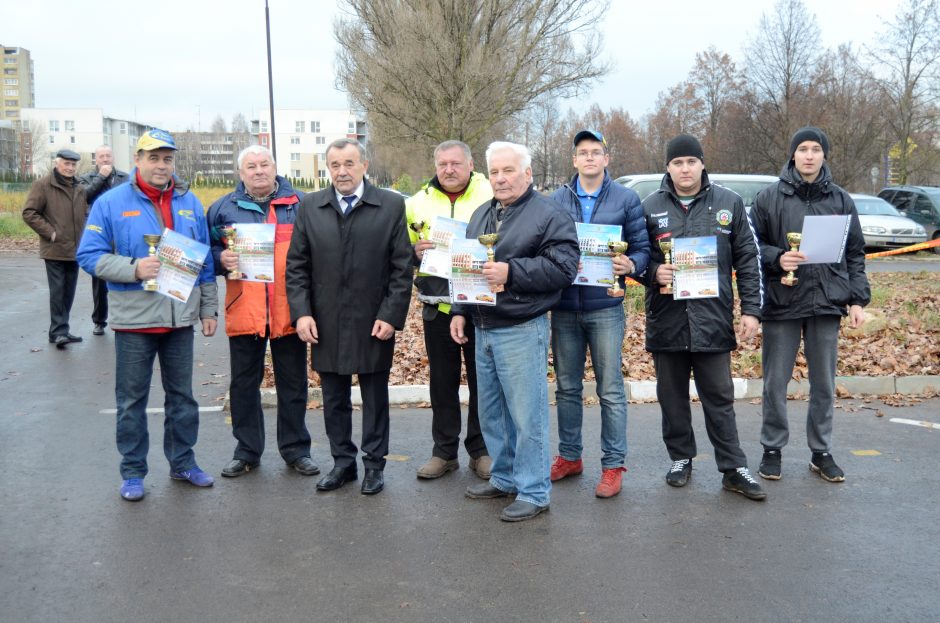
x=512 y=363
x=572 y=333
x=135 y=353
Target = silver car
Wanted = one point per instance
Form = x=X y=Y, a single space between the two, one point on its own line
x=745 y=185
x=883 y=225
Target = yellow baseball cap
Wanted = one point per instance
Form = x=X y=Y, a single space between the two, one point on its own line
x=156 y=139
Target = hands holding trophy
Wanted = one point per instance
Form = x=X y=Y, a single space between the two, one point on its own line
x=228 y=237
x=152 y=241
x=488 y=240
x=666 y=247
x=617 y=248
x=793 y=239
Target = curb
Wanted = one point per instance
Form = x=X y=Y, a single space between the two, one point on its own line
x=645 y=391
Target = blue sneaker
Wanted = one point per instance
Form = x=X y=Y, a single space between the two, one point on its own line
x=194 y=476
x=133 y=489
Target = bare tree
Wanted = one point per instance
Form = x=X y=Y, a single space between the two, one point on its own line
x=716 y=84
x=431 y=70
x=908 y=61
x=549 y=141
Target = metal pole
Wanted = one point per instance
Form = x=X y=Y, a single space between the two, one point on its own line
x=267 y=22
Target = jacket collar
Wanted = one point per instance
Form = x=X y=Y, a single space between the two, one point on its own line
x=180 y=186
x=792 y=184
x=370 y=197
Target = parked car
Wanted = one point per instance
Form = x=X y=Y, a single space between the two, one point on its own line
x=921 y=204
x=745 y=185
x=883 y=226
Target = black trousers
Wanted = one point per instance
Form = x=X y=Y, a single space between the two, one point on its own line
x=289 y=355
x=716 y=391
x=337 y=417
x=444 y=361
x=63 y=278
x=99 y=293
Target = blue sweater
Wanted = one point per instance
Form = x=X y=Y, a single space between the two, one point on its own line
x=616 y=205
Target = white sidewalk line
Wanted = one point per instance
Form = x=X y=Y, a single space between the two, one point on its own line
x=152 y=410
x=921 y=423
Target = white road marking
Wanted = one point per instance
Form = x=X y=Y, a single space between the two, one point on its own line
x=160 y=410
x=922 y=423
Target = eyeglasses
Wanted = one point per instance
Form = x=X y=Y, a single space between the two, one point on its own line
x=597 y=153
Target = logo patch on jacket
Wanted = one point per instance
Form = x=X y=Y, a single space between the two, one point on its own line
x=663 y=223
x=186 y=214
x=724 y=217
x=131 y=213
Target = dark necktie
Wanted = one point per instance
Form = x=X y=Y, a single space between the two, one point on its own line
x=350 y=200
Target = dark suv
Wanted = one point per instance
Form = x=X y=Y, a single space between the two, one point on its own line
x=918 y=203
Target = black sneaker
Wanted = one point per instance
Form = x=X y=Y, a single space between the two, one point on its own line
x=770 y=465
x=741 y=481
x=680 y=472
x=823 y=464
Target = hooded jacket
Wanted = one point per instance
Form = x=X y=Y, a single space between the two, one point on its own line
x=540 y=244
x=821 y=289
x=251 y=307
x=616 y=205
x=114 y=239
x=701 y=325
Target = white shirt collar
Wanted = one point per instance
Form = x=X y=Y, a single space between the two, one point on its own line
x=358 y=192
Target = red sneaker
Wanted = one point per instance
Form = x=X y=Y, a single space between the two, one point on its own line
x=562 y=468
x=609 y=486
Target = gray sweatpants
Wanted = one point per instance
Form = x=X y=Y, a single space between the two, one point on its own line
x=781 y=342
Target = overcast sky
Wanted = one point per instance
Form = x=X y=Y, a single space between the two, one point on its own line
x=187 y=61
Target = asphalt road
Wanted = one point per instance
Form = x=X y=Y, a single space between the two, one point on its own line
x=268 y=547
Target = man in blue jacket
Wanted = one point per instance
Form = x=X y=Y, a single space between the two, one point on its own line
x=147 y=324
x=588 y=317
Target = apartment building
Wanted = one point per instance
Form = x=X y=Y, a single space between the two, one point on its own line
x=18 y=84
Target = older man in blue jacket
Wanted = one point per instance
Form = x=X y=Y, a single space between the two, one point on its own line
x=588 y=317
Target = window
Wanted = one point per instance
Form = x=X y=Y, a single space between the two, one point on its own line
x=53 y=126
x=315 y=127
x=11 y=113
x=9 y=61
x=122 y=127
x=321 y=140
x=295 y=140
x=264 y=141
x=264 y=126
x=11 y=92
x=69 y=126
x=352 y=127
x=51 y=140
x=295 y=156
x=72 y=140
x=296 y=172
x=299 y=126
x=11 y=102
x=11 y=81
x=321 y=173
x=9 y=72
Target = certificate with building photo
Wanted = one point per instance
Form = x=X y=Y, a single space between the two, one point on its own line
x=597 y=267
x=696 y=262
x=181 y=261
x=436 y=261
x=254 y=243
x=467 y=284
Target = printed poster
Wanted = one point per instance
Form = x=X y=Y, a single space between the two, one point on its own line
x=181 y=261
x=254 y=243
x=597 y=268
x=467 y=284
x=696 y=262
x=444 y=231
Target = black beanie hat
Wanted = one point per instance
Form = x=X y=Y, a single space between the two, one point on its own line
x=684 y=145
x=809 y=133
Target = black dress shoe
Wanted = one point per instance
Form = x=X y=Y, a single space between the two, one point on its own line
x=61 y=341
x=337 y=477
x=521 y=511
x=98 y=330
x=485 y=491
x=372 y=482
x=306 y=466
x=238 y=467
x=73 y=338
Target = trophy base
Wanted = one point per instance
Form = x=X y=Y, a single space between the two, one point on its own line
x=235 y=274
x=150 y=287
x=667 y=290
x=615 y=292
x=496 y=289
x=789 y=281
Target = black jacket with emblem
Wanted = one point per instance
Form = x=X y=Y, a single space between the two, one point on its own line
x=701 y=325
x=821 y=289
x=347 y=271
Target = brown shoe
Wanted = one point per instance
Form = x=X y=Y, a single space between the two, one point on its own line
x=482 y=466
x=437 y=467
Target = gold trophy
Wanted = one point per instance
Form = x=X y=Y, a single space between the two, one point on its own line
x=793 y=239
x=617 y=248
x=666 y=247
x=488 y=240
x=228 y=237
x=418 y=228
x=152 y=241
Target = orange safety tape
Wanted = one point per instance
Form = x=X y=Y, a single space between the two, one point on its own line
x=914 y=247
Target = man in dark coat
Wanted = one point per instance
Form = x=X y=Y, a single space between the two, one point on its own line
x=809 y=310
x=96 y=183
x=349 y=271
x=56 y=210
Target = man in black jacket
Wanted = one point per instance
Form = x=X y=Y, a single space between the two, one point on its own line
x=536 y=258
x=96 y=183
x=349 y=270
x=810 y=310
x=696 y=335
